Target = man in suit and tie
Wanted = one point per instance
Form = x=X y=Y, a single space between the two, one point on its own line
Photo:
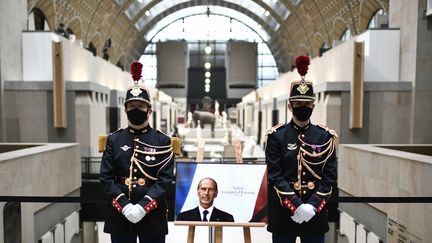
x=207 y=191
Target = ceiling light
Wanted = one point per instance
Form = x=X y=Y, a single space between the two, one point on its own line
x=208 y=49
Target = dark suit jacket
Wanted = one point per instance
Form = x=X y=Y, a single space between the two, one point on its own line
x=194 y=215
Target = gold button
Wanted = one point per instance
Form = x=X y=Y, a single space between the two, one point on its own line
x=304 y=173
x=137 y=146
x=134 y=177
x=311 y=185
x=303 y=145
x=303 y=135
x=134 y=185
x=135 y=170
x=141 y=181
x=297 y=185
x=304 y=192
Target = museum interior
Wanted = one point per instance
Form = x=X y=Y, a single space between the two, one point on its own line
x=218 y=74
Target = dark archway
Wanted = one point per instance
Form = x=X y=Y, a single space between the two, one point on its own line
x=39 y=19
x=12 y=222
x=92 y=48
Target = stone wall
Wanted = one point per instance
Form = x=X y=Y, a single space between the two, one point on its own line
x=378 y=171
x=40 y=170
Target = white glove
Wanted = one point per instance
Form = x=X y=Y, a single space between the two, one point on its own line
x=136 y=213
x=305 y=212
x=296 y=218
x=127 y=208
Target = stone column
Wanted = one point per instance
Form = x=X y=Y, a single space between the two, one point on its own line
x=13 y=20
x=416 y=64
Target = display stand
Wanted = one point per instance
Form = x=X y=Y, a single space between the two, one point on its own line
x=215 y=229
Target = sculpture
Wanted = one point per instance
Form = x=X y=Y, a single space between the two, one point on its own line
x=205 y=117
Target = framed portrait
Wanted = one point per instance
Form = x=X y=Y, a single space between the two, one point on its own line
x=241 y=191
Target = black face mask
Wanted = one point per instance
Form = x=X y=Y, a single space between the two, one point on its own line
x=303 y=113
x=137 y=116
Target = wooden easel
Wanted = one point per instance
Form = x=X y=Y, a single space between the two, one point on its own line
x=218 y=229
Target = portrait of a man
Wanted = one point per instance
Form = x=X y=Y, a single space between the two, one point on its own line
x=207 y=191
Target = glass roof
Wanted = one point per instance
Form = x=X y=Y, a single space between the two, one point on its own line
x=278 y=7
x=199 y=26
x=132 y=11
x=135 y=7
x=295 y=2
x=120 y=2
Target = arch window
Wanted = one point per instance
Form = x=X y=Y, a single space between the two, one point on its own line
x=324 y=47
x=378 y=20
x=92 y=48
x=37 y=21
x=346 y=35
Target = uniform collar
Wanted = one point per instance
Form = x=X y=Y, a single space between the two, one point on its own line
x=139 y=131
x=299 y=128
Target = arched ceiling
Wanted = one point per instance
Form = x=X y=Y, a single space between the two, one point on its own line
x=294 y=27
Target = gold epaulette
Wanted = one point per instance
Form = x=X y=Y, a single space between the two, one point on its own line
x=176 y=144
x=328 y=129
x=102 y=140
x=274 y=128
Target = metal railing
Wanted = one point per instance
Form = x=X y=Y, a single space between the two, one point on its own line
x=91 y=168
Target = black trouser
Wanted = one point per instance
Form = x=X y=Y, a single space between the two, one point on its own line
x=289 y=238
x=132 y=238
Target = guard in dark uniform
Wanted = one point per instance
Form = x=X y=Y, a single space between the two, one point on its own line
x=136 y=171
x=302 y=169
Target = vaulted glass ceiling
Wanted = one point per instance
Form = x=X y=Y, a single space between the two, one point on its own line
x=142 y=12
x=194 y=26
x=222 y=24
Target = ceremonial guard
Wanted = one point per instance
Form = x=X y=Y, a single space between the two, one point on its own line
x=302 y=169
x=136 y=171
